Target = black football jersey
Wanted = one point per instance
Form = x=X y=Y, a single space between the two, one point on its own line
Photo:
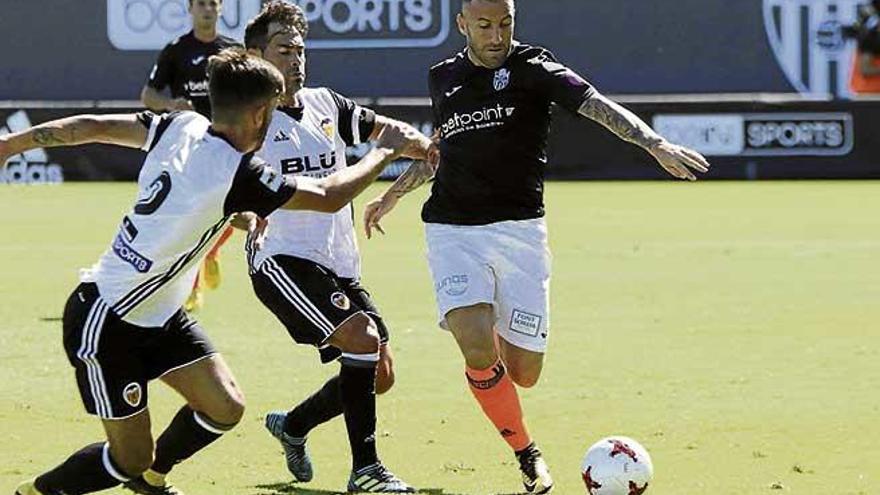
x=493 y=126
x=183 y=65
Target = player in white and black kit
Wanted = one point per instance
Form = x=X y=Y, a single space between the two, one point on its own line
x=486 y=235
x=123 y=325
x=307 y=271
x=182 y=67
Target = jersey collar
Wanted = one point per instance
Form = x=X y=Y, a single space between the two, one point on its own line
x=296 y=113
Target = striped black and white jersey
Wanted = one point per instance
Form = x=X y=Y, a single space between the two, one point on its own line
x=310 y=140
x=191 y=183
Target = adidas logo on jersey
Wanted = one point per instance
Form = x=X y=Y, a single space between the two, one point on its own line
x=281 y=137
x=30 y=167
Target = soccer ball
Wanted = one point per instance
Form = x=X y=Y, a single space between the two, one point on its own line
x=617 y=466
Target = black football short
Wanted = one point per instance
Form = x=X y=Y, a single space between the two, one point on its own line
x=312 y=301
x=114 y=359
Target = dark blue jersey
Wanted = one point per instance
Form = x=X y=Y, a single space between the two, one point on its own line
x=493 y=126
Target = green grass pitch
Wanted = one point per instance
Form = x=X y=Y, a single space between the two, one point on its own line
x=732 y=328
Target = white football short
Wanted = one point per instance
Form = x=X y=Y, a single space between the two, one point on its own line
x=505 y=264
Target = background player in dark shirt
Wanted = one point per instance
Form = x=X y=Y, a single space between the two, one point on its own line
x=182 y=66
x=487 y=240
x=182 y=63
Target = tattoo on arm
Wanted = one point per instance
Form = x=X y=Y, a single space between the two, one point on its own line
x=417 y=174
x=50 y=137
x=625 y=124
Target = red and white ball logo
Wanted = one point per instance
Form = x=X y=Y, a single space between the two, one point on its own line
x=617 y=466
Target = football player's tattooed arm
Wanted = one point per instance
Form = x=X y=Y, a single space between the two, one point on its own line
x=625 y=124
x=418 y=173
x=676 y=160
x=121 y=130
x=411 y=179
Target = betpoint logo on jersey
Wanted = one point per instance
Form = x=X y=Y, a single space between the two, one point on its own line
x=30 y=167
x=485 y=118
x=807 y=40
x=360 y=24
x=151 y=24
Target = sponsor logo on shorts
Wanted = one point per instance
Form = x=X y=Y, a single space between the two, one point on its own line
x=454 y=285
x=132 y=394
x=130 y=256
x=525 y=323
x=340 y=300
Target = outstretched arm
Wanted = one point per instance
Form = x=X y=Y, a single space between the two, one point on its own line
x=677 y=160
x=423 y=148
x=334 y=192
x=157 y=102
x=419 y=172
x=121 y=129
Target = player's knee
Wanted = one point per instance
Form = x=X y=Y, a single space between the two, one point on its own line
x=525 y=378
x=231 y=411
x=133 y=457
x=358 y=335
x=524 y=373
x=224 y=411
x=479 y=357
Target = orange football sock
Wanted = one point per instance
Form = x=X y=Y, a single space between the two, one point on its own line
x=215 y=251
x=497 y=395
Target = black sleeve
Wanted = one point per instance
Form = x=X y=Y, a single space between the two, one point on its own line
x=560 y=84
x=156 y=125
x=146 y=118
x=356 y=123
x=163 y=72
x=258 y=188
x=435 y=100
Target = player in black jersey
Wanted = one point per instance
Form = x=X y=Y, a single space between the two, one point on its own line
x=182 y=66
x=487 y=240
x=124 y=325
x=182 y=63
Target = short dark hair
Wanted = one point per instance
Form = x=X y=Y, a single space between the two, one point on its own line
x=237 y=80
x=512 y=2
x=256 y=35
x=191 y=2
